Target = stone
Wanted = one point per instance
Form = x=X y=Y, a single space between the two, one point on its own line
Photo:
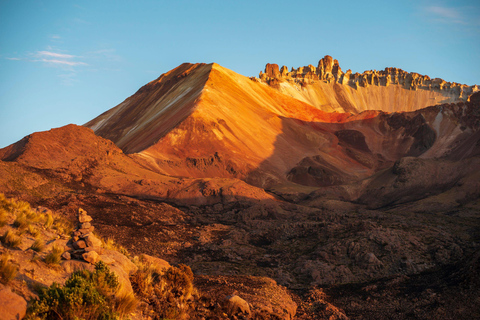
x=157 y=262
x=85 y=225
x=66 y=255
x=236 y=305
x=84 y=218
x=91 y=257
x=12 y=306
x=80 y=244
x=92 y=241
x=99 y=250
x=83 y=231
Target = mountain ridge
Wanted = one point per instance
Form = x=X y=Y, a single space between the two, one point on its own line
x=389 y=90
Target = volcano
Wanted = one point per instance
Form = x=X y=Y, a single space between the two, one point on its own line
x=366 y=185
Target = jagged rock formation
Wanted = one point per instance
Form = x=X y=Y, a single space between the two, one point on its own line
x=318 y=85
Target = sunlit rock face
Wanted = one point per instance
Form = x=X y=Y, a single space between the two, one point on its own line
x=328 y=88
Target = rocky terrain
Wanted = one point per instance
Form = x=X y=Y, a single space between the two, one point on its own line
x=300 y=212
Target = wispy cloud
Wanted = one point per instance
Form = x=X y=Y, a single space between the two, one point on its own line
x=450 y=15
x=15 y=59
x=55 y=54
x=63 y=62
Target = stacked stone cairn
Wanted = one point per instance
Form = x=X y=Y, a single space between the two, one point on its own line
x=83 y=245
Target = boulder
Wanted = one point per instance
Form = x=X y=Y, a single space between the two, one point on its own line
x=92 y=241
x=91 y=257
x=80 y=244
x=236 y=305
x=12 y=306
x=156 y=262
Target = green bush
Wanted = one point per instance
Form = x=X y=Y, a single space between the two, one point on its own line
x=85 y=295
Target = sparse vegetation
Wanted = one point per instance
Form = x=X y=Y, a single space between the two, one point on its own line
x=38 y=245
x=48 y=220
x=21 y=222
x=8 y=271
x=10 y=240
x=32 y=230
x=54 y=257
x=86 y=295
x=3 y=217
x=167 y=292
x=62 y=226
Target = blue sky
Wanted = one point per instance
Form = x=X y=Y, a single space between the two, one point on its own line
x=68 y=61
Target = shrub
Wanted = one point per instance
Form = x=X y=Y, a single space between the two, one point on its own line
x=86 y=295
x=166 y=293
x=38 y=245
x=54 y=257
x=8 y=271
x=10 y=240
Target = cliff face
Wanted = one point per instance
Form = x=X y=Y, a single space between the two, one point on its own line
x=330 y=89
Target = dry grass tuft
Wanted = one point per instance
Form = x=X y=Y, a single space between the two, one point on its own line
x=10 y=240
x=3 y=217
x=54 y=257
x=38 y=245
x=48 y=220
x=8 y=271
x=21 y=221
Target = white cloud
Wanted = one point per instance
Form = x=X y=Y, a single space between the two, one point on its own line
x=16 y=59
x=64 y=62
x=55 y=54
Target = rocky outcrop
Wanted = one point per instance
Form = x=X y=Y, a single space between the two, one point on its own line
x=12 y=306
x=328 y=70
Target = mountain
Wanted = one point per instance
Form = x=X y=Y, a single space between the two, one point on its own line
x=207 y=121
x=333 y=184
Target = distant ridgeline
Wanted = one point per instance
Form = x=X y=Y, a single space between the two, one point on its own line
x=329 y=71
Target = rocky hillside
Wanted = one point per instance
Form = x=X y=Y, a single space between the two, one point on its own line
x=287 y=209
x=42 y=260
